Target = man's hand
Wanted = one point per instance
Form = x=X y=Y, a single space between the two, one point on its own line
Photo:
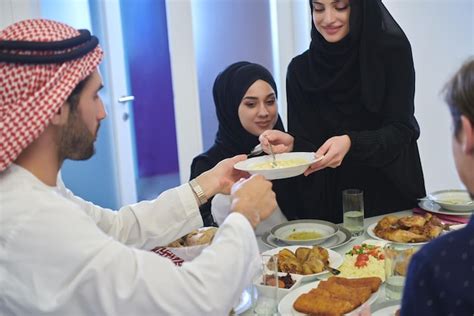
x=221 y=178
x=334 y=151
x=253 y=198
x=281 y=142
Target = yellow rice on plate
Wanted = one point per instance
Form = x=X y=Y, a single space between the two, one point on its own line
x=374 y=267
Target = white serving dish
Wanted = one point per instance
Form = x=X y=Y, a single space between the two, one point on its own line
x=284 y=230
x=453 y=200
x=267 y=291
x=270 y=173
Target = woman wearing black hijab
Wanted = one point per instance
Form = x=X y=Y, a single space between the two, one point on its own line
x=242 y=117
x=351 y=99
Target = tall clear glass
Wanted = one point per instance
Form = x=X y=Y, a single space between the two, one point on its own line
x=267 y=302
x=397 y=258
x=353 y=211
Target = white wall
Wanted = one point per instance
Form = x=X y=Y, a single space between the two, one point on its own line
x=442 y=36
x=15 y=10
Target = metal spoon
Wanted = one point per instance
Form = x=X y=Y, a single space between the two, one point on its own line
x=332 y=270
x=257 y=150
x=273 y=163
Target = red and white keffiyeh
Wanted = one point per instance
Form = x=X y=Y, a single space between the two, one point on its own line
x=30 y=94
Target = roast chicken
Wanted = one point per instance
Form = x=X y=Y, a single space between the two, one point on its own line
x=303 y=261
x=409 y=229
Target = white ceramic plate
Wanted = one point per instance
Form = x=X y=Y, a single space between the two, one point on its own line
x=335 y=261
x=278 y=172
x=323 y=228
x=342 y=237
x=453 y=200
x=385 y=309
x=286 y=304
x=371 y=233
x=435 y=208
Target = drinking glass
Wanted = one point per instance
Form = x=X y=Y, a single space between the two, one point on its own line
x=267 y=301
x=397 y=258
x=353 y=211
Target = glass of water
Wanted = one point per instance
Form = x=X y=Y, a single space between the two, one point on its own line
x=267 y=301
x=397 y=258
x=353 y=211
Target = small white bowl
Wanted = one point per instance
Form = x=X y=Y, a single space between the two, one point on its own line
x=453 y=200
x=280 y=172
x=267 y=291
x=284 y=230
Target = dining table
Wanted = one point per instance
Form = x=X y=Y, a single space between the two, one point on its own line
x=342 y=250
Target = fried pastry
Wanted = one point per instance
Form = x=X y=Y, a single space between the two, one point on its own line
x=371 y=282
x=356 y=296
x=320 y=302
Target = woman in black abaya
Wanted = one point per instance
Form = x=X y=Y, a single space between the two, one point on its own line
x=351 y=99
x=245 y=96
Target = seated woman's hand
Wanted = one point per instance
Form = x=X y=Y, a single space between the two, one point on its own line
x=281 y=142
x=334 y=151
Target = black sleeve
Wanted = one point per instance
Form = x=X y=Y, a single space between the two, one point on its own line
x=294 y=96
x=399 y=129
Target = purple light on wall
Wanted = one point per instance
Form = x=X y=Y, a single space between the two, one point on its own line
x=146 y=45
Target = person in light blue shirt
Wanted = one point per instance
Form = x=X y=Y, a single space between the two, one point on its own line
x=440 y=279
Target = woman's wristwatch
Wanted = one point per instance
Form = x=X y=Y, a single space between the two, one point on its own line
x=198 y=192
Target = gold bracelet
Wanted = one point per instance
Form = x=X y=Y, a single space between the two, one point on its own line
x=198 y=192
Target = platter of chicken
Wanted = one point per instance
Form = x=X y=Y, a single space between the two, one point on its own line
x=413 y=229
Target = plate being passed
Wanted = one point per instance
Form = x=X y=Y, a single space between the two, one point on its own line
x=342 y=237
x=453 y=200
x=288 y=165
x=304 y=231
x=371 y=233
x=335 y=261
x=286 y=304
x=435 y=208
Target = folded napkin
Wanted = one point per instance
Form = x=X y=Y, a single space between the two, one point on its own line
x=447 y=219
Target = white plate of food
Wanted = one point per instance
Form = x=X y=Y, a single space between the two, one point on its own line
x=288 y=282
x=295 y=263
x=287 y=165
x=436 y=208
x=364 y=260
x=371 y=233
x=286 y=304
x=304 y=231
x=411 y=229
x=342 y=237
x=453 y=200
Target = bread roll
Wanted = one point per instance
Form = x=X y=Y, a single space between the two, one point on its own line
x=202 y=236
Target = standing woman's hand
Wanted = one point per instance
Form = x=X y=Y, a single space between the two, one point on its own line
x=334 y=151
x=281 y=142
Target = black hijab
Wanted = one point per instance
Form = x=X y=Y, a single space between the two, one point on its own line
x=232 y=139
x=350 y=73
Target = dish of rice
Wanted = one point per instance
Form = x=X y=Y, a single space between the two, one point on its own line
x=363 y=261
